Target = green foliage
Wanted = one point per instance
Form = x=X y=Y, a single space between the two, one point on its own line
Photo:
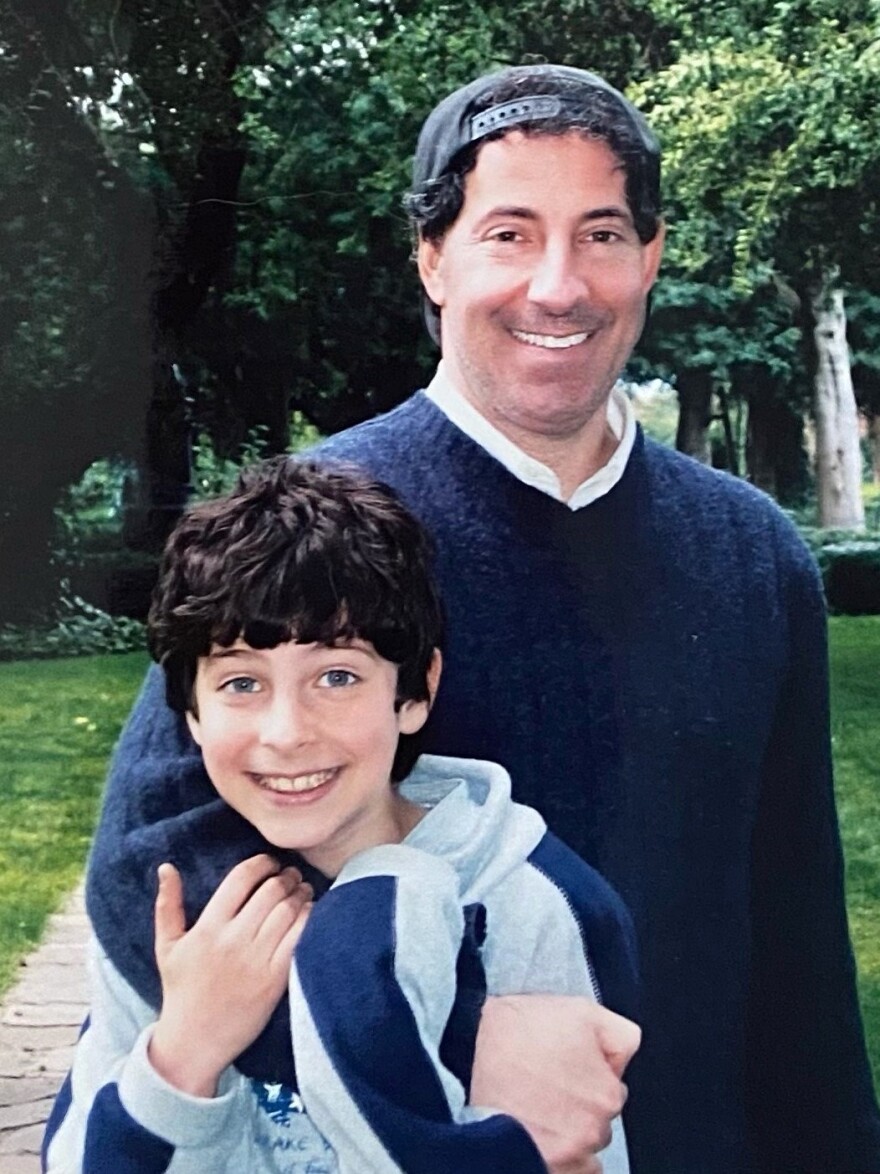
x=77 y=628
x=88 y=516
x=772 y=147
x=214 y=474
x=58 y=723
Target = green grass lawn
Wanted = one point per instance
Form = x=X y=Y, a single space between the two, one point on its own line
x=855 y=683
x=61 y=718
x=58 y=723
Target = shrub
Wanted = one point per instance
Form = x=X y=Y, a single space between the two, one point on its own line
x=76 y=629
x=119 y=582
x=850 y=564
x=851 y=571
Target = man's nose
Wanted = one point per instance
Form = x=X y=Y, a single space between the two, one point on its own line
x=558 y=281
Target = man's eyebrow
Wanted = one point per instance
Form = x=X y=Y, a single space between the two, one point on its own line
x=509 y=211
x=520 y=212
x=612 y=212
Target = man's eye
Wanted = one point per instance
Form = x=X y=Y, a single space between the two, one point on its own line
x=240 y=685
x=335 y=678
x=604 y=236
x=505 y=236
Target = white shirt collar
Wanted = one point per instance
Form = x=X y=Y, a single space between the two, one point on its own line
x=462 y=413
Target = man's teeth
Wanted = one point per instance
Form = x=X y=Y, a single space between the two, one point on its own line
x=289 y=785
x=551 y=341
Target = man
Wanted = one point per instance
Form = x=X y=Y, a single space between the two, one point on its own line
x=639 y=640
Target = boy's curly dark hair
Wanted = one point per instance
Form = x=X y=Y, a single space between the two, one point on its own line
x=298 y=551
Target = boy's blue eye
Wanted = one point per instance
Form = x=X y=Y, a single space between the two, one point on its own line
x=240 y=685
x=334 y=678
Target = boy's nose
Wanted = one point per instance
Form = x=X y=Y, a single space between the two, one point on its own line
x=286 y=723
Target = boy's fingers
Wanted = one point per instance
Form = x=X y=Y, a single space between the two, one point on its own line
x=237 y=887
x=291 y=938
x=169 y=912
x=276 y=909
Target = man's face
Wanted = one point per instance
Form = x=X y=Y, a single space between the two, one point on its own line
x=542 y=282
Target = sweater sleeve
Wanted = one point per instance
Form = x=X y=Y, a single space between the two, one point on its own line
x=809 y=1085
x=372 y=989
x=114 y=1111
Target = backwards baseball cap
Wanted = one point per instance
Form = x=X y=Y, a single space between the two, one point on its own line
x=558 y=94
x=463 y=117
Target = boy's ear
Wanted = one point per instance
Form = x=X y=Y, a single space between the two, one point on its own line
x=412 y=715
x=435 y=669
x=193 y=722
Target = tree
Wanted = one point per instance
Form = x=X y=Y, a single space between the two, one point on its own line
x=773 y=158
x=75 y=345
x=864 y=318
x=122 y=155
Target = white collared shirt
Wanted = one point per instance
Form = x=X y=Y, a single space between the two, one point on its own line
x=462 y=413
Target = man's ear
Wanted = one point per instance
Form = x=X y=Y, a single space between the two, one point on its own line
x=193 y=722
x=430 y=262
x=412 y=715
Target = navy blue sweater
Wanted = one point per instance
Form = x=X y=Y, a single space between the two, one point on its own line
x=652 y=671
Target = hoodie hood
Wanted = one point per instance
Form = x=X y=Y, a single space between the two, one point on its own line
x=472 y=822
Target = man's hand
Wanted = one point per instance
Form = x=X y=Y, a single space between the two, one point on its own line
x=555 y=1063
x=222 y=979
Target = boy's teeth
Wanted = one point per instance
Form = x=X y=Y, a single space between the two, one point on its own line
x=298 y=783
x=551 y=341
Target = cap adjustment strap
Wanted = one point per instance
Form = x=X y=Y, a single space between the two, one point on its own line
x=522 y=110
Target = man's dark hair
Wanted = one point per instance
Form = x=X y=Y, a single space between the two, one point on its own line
x=298 y=551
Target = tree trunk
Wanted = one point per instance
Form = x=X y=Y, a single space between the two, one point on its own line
x=776 y=460
x=731 y=457
x=694 y=413
x=838 y=453
x=874 y=441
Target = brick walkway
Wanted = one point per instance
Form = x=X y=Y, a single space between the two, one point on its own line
x=39 y=1023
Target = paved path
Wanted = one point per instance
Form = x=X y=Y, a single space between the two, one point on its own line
x=39 y=1023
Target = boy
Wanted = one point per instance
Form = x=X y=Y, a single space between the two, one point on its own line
x=299 y=630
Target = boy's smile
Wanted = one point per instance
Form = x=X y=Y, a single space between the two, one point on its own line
x=300 y=740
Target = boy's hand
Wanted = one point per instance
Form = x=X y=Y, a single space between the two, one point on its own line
x=555 y=1063
x=222 y=979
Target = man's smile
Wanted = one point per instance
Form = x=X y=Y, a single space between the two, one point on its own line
x=551 y=341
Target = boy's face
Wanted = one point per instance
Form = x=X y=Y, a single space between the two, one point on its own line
x=300 y=740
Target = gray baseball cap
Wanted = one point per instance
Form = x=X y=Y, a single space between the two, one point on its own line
x=462 y=118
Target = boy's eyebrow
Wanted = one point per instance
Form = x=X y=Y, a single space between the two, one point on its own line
x=226 y=653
